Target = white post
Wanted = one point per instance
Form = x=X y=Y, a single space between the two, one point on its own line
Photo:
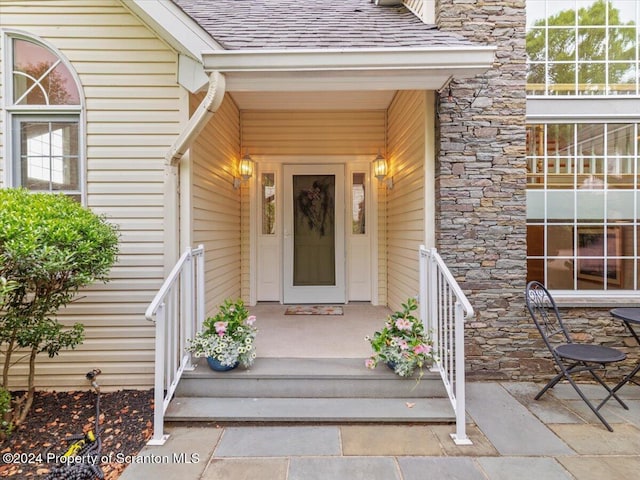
x=422 y=294
x=433 y=300
x=200 y=289
x=460 y=437
x=187 y=311
x=159 y=438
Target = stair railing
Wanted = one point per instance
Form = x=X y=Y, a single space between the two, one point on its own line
x=178 y=312
x=443 y=310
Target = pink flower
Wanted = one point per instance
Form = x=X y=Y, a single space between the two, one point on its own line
x=369 y=363
x=221 y=328
x=251 y=320
x=422 y=348
x=403 y=324
x=403 y=345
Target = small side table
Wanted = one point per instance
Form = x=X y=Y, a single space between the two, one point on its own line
x=630 y=317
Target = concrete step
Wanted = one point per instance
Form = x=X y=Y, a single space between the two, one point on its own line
x=307 y=378
x=392 y=410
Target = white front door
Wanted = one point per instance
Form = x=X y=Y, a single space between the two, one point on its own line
x=314 y=247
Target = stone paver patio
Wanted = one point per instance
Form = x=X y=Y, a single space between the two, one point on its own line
x=514 y=436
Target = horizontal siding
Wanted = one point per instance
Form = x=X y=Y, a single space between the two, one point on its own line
x=215 y=205
x=133 y=111
x=313 y=132
x=405 y=203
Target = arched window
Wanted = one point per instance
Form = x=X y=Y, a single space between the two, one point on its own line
x=44 y=105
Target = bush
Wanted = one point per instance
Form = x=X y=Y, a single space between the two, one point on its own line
x=50 y=246
x=5 y=413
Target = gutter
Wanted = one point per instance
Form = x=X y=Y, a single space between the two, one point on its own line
x=207 y=109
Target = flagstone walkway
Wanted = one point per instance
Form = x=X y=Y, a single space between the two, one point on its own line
x=514 y=436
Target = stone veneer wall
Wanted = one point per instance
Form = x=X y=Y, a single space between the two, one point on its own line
x=481 y=205
x=480 y=186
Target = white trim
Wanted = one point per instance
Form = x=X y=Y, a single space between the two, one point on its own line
x=347 y=69
x=467 y=57
x=430 y=171
x=6 y=96
x=583 y=109
x=275 y=163
x=173 y=25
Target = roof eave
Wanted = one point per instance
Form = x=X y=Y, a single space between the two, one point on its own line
x=310 y=69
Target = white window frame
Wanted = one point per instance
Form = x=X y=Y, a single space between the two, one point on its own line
x=46 y=113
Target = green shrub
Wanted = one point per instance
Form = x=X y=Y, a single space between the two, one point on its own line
x=50 y=246
x=5 y=413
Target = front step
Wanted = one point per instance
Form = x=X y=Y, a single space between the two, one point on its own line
x=228 y=409
x=308 y=390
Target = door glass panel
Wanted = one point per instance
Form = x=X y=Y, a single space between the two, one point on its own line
x=268 y=204
x=358 y=204
x=314 y=230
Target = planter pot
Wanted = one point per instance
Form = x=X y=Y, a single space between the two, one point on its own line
x=391 y=365
x=214 y=364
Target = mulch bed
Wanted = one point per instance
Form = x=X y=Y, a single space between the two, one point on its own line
x=126 y=424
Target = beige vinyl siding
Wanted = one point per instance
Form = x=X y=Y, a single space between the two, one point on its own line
x=134 y=113
x=307 y=134
x=2 y=114
x=405 y=203
x=215 y=205
x=313 y=132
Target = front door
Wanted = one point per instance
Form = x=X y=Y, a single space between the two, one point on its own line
x=314 y=251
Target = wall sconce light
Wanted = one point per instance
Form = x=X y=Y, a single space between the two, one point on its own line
x=381 y=169
x=245 y=169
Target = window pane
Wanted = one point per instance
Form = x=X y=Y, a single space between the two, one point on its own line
x=535 y=270
x=535 y=240
x=622 y=43
x=535 y=205
x=561 y=44
x=560 y=206
x=560 y=240
x=560 y=273
x=623 y=12
x=620 y=205
x=622 y=78
x=591 y=78
x=49 y=156
x=358 y=204
x=40 y=78
x=562 y=78
x=592 y=44
x=268 y=204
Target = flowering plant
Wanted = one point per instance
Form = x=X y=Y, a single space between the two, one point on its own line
x=403 y=343
x=228 y=337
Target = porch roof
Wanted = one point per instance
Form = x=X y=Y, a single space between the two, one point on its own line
x=330 y=45
x=321 y=24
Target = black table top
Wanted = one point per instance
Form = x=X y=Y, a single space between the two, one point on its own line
x=629 y=314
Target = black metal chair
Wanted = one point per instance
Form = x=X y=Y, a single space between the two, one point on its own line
x=570 y=358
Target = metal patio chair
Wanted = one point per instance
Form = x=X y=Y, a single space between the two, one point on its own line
x=570 y=358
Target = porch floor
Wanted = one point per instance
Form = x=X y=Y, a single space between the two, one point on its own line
x=316 y=336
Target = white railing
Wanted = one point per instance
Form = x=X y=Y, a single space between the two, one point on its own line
x=178 y=312
x=443 y=309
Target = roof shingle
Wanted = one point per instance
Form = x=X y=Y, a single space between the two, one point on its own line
x=299 y=24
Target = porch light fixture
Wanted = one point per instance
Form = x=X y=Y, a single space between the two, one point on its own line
x=381 y=169
x=245 y=169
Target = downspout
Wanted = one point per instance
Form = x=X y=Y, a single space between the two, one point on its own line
x=196 y=123
x=207 y=109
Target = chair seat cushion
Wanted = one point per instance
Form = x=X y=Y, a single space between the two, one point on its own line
x=590 y=353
